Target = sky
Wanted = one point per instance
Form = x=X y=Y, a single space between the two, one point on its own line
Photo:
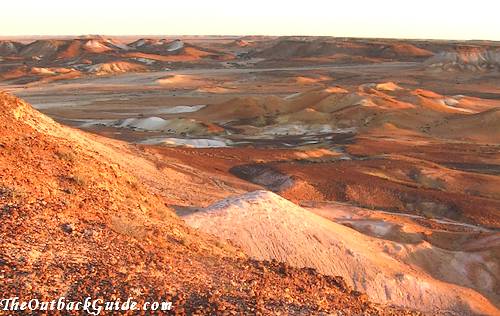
x=426 y=19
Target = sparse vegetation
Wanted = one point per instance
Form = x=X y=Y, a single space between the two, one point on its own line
x=78 y=179
x=14 y=193
x=66 y=155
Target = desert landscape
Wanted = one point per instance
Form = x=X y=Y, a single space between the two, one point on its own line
x=257 y=175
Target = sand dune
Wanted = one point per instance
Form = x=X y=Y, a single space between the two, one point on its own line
x=242 y=108
x=388 y=86
x=372 y=106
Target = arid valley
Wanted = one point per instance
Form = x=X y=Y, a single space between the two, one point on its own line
x=253 y=174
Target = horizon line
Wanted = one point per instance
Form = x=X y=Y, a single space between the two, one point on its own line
x=247 y=35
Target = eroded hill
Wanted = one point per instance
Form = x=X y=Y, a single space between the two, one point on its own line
x=77 y=222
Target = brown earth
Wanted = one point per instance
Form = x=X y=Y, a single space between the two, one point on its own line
x=389 y=147
x=393 y=182
x=77 y=222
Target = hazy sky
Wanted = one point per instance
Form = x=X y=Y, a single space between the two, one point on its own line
x=478 y=19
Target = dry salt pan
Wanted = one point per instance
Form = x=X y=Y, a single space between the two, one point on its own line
x=187 y=142
x=181 y=109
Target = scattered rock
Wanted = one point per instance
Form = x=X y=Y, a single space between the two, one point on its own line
x=67 y=228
